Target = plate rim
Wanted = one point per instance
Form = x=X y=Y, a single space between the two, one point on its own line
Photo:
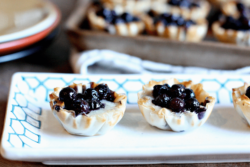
x=13 y=46
x=34 y=29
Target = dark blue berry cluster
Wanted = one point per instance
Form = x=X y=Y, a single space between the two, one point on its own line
x=177 y=98
x=173 y=20
x=248 y=92
x=111 y=17
x=90 y=99
x=242 y=23
x=183 y=3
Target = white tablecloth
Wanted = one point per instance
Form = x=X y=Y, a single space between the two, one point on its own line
x=111 y=62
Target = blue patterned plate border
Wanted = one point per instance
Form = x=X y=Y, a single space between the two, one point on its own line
x=28 y=91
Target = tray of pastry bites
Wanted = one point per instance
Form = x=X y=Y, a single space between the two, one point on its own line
x=205 y=33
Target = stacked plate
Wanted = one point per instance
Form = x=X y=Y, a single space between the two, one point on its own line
x=26 y=26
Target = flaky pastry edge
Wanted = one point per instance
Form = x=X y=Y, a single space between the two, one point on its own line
x=242 y=102
x=241 y=38
x=165 y=116
x=124 y=29
x=85 y=124
x=194 y=33
x=195 y=13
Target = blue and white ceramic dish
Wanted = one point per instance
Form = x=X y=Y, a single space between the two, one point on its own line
x=32 y=133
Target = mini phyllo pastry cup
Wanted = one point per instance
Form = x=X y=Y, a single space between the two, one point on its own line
x=231 y=35
x=193 y=33
x=194 y=10
x=125 y=24
x=175 y=27
x=87 y=110
x=242 y=101
x=234 y=28
x=174 y=105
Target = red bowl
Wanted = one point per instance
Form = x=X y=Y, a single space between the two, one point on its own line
x=19 y=44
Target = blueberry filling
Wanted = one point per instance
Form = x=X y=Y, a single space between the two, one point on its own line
x=111 y=17
x=107 y=14
x=177 y=90
x=183 y=3
x=117 y=20
x=103 y=91
x=57 y=108
x=67 y=94
x=192 y=104
x=178 y=99
x=189 y=93
x=174 y=20
x=90 y=94
x=205 y=102
x=151 y=13
x=110 y=96
x=242 y=23
x=88 y=100
x=162 y=100
x=240 y=7
x=81 y=106
x=160 y=89
x=248 y=92
x=125 y=18
x=177 y=104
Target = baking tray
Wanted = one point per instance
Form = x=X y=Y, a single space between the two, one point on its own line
x=32 y=133
x=209 y=54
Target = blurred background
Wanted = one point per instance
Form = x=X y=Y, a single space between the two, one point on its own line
x=54 y=35
x=50 y=56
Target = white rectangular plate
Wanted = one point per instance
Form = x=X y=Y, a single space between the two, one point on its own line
x=32 y=133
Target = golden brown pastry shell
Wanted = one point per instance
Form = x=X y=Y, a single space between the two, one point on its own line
x=194 y=33
x=89 y=124
x=194 y=13
x=164 y=118
x=242 y=102
x=231 y=36
x=124 y=29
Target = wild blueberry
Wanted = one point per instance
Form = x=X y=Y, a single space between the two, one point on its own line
x=107 y=14
x=67 y=94
x=110 y=96
x=189 y=93
x=81 y=107
x=162 y=100
x=177 y=90
x=240 y=7
x=192 y=104
x=117 y=20
x=248 y=92
x=103 y=91
x=57 y=108
x=79 y=96
x=177 y=104
x=160 y=89
x=127 y=17
x=90 y=94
